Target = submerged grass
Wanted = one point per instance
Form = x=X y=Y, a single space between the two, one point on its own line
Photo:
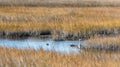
x=31 y=58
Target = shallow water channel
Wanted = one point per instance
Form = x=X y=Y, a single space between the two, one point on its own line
x=46 y=45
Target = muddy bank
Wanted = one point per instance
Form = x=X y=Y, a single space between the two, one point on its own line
x=59 y=35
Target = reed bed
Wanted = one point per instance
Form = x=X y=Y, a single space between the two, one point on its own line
x=67 y=20
x=115 y=41
x=31 y=58
x=61 y=3
x=73 y=27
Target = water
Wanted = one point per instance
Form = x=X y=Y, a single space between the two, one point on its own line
x=55 y=46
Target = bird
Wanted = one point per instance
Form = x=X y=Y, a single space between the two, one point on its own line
x=47 y=44
x=77 y=46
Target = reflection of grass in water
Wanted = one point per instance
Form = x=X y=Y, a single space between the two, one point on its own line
x=30 y=58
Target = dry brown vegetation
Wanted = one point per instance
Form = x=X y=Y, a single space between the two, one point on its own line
x=82 y=27
x=59 y=3
x=83 y=20
x=31 y=58
x=115 y=41
x=66 y=19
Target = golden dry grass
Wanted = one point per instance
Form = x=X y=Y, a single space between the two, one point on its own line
x=83 y=27
x=115 y=41
x=31 y=58
x=62 y=3
x=68 y=19
x=84 y=20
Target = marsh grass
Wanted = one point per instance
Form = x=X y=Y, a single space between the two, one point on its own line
x=61 y=3
x=31 y=58
x=74 y=27
x=60 y=19
x=69 y=20
x=115 y=41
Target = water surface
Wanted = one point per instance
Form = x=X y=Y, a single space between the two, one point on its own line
x=46 y=45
